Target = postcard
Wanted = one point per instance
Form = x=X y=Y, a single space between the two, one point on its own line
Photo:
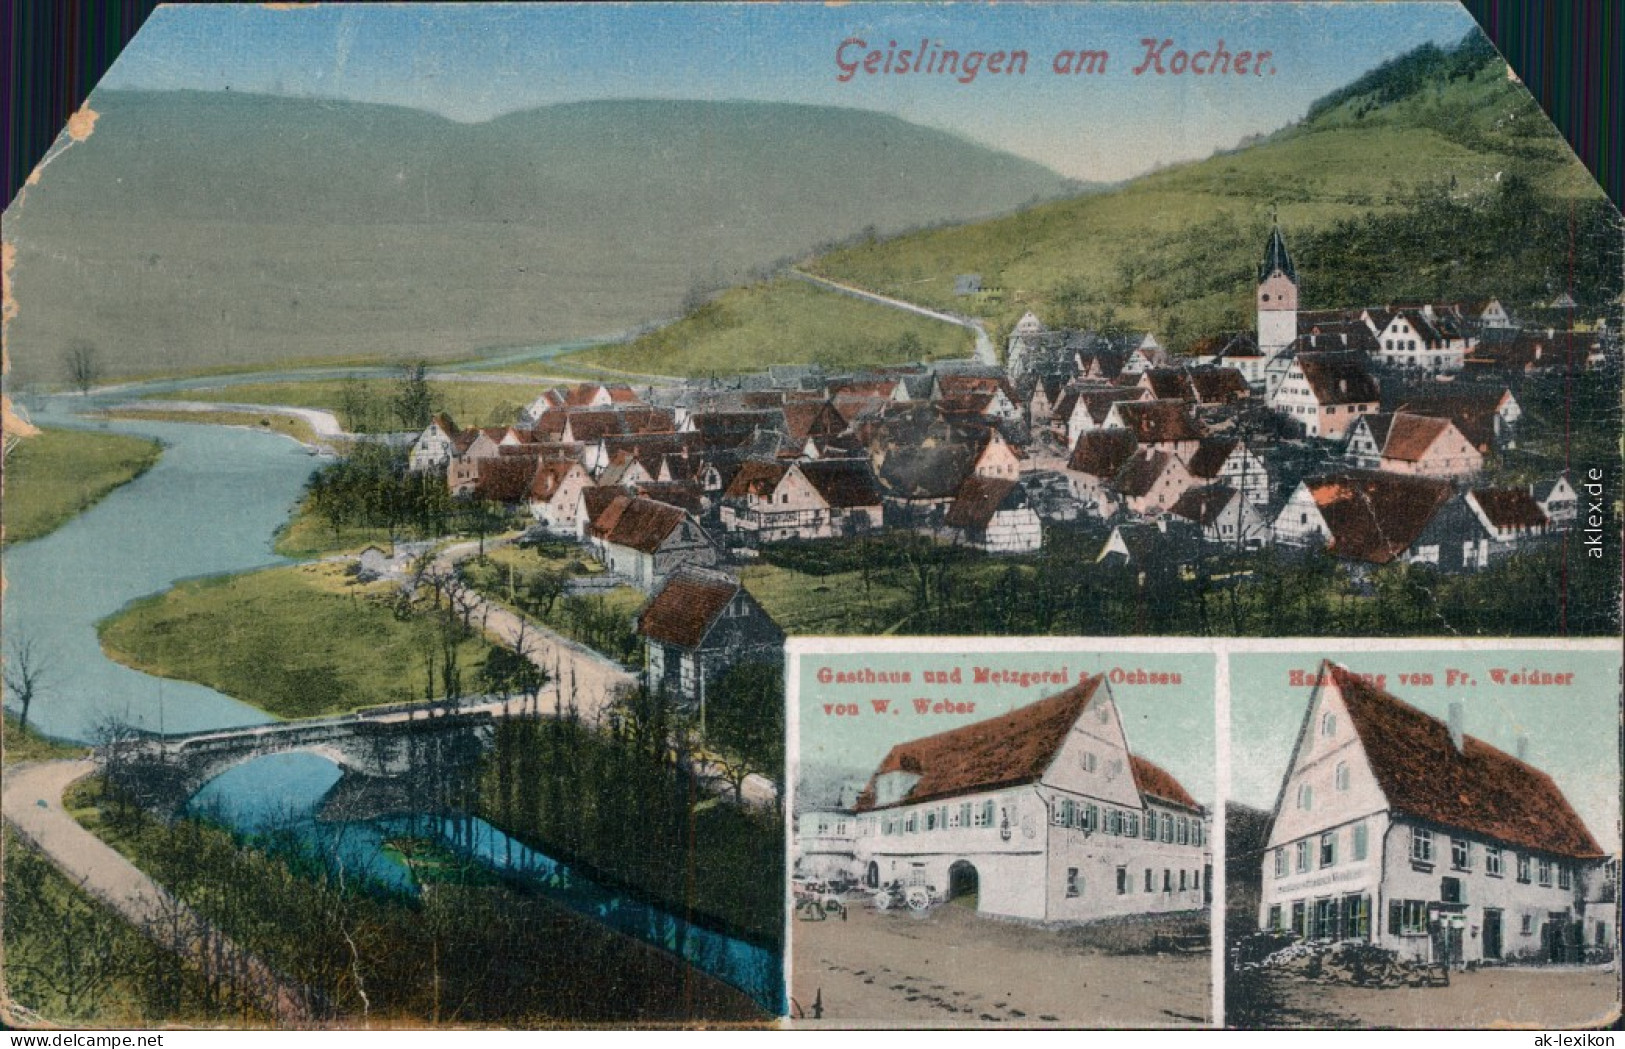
x=539 y=516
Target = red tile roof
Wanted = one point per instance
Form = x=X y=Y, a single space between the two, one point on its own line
x=1478 y=789
x=1375 y=516
x=1159 y=422
x=684 y=610
x=549 y=477
x=1102 y=453
x=757 y=478
x=1156 y=782
x=1013 y=748
x=638 y=523
x=1410 y=436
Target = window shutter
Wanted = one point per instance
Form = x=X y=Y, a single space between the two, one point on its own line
x=1395 y=917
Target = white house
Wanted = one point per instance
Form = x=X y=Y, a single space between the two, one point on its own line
x=995 y=515
x=1396 y=828
x=820 y=499
x=1420 y=445
x=435 y=445
x=1042 y=813
x=1224 y=516
x=555 y=494
x=1228 y=460
x=1323 y=393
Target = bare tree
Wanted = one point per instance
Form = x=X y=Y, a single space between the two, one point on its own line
x=25 y=671
x=81 y=365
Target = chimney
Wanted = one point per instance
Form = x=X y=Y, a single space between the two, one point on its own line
x=1457 y=716
x=1523 y=749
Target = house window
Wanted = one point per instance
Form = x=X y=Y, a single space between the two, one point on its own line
x=1122 y=881
x=984 y=817
x=1325 y=920
x=1527 y=925
x=1184 y=828
x=1565 y=877
x=1196 y=832
x=911 y=824
x=1356 y=917
x=1167 y=829
x=1066 y=813
x=1492 y=860
x=1328 y=849
x=1306 y=796
x=1342 y=775
x=1300 y=918
x=1182 y=885
x=1074 y=884
x=1148 y=885
x=1523 y=869
x=1407 y=917
x=1545 y=871
x=1114 y=822
x=1461 y=854
x=1280 y=863
x=931 y=819
x=1167 y=880
x=1091 y=818
x=1450 y=890
x=1421 y=845
x=1274 y=923
x=1304 y=855
x=1131 y=825
x=1088 y=761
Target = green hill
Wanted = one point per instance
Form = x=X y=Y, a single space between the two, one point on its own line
x=1433 y=176
x=197 y=230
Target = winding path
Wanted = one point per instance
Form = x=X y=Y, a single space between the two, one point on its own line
x=985 y=353
x=31 y=801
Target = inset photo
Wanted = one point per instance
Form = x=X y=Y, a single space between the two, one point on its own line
x=1423 y=839
x=1015 y=837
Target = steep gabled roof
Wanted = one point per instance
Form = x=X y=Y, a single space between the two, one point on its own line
x=1215 y=385
x=1157 y=782
x=1410 y=436
x=638 y=523
x=1338 y=378
x=684 y=610
x=1479 y=788
x=1004 y=751
x=1510 y=507
x=1102 y=453
x=755 y=477
x=1203 y=505
x=1211 y=455
x=979 y=498
x=1141 y=472
x=1375 y=516
x=549 y=477
x=1157 y=422
x=844 y=483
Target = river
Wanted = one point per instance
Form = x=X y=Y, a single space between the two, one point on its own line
x=212 y=505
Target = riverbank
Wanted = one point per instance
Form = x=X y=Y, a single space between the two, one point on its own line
x=54 y=476
x=295 y=641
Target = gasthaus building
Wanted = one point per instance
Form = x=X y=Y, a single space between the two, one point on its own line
x=1043 y=813
x=1396 y=828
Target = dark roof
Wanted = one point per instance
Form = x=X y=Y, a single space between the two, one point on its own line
x=1003 y=751
x=505 y=479
x=685 y=495
x=1214 y=385
x=1141 y=471
x=1168 y=383
x=1473 y=409
x=1102 y=453
x=549 y=477
x=594 y=424
x=1211 y=455
x=1510 y=507
x=1373 y=515
x=1338 y=378
x=683 y=611
x=1203 y=505
x=979 y=498
x=1158 y=422
x=755 y=477
x=1479 y=788
x=919 y=454
x=843 y=482
x=1276 y=257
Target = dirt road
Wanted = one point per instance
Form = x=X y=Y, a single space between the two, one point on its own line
x=1554 y=998
x=32 y=803
x=953 y=968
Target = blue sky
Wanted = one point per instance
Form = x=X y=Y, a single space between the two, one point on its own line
x=474 y=62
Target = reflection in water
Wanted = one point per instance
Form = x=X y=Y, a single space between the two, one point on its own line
x=282 y=793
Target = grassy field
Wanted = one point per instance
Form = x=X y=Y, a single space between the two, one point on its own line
x=298 y=641
x=24 y=744
x=305 y=536
x=468 y=403
x=600 y=620
x=270 y=422
x=52 y=477
x=782 y=321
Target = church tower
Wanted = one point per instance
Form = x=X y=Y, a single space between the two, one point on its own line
x=1277 y=297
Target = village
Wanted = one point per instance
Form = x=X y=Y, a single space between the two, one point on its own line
x=1373 y=435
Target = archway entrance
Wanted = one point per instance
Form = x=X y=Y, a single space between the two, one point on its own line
x=964 y=884
x=871 y=877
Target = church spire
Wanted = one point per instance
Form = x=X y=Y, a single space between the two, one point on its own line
x=1276 y=257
